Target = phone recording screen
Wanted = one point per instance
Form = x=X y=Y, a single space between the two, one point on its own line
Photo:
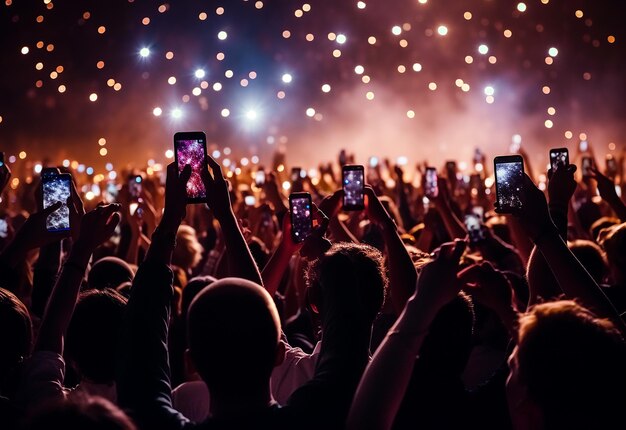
x=192 y=152
x=432 y=189
x=301 y=219
x=353 y=183
x=56 y=188
x=4 y=228
x=586 y=167
x=134 y=186
x=474 y=228
x=509 y=180
x=558 y=159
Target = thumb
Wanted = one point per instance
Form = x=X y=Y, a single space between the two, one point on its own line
x=47 y=211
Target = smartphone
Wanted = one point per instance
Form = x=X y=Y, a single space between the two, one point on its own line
x=587 y=164
x=431 y=187
x=249 y=200
x=300 y=206
x=509 y=182
x=49 y=171
x=112 y=192
x=479 y=211
x=1 y=158
x=559 y=157
x=57 y=188
x=259 y=178
x=611 y=166
x=353 y=180
x=451 y=170
x=190 y=148
x=295 y=173
x=583 y=146
x=373 y=161
x=135 y=185
x=475 y=228
x=4 y=228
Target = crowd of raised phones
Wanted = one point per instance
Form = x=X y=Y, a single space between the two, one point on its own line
x=381 y=296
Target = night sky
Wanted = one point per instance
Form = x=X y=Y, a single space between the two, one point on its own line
x=381 y=77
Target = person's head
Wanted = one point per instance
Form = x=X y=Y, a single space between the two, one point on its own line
x=188 y=251
x=591 y=257
x=226 y=316
x=109 y=272
x=349 y=281
x=16 y=334
x=80 y=412
x=93 y=333
x=567 y=370
x=191 y=290
x=614 y=244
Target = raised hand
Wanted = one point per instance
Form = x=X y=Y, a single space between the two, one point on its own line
x=606 y=186
x=218 y=197
x=437 y=284
x=98 y=225
x=374 y=209
x=488 y=286
x=562 y=184
x=534 y=216
x=331 y=205
x=5 y=175
x=175 y=197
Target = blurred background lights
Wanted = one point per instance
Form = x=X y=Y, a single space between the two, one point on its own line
x=144 y=52
x=287 y=78
x=157 y=111
x=442 y=30
x=222 y=35
x=200 y=73
x=553 y=52
x=521 y=7
x=483 y=49
x=177 y=113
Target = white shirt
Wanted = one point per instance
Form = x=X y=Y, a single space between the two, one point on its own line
x=192 y=398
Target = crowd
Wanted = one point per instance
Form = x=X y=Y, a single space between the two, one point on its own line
x=152 y=313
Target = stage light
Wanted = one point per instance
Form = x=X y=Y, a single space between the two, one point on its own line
x=177 y=113
x=200 y=73
x=287 y=78
x=144 y=52
x=157 y=111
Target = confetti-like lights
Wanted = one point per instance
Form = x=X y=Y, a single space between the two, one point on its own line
x=157 y=111
x=521 y=7
x=341 y=39
x=553 y=52
x=200 y=73
x=287 y=78
x=222 y=35
x=442 y=30
x=483 y=49
x=144 y=52
x=177 y=113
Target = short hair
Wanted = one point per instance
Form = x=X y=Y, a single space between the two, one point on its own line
x=16 y=333
x=109 y=272
x=94 y=331
x=188 y=251
x=349 y=274
x=572 y=364
x=591 y=257
x=226 y=316
x=80 y=411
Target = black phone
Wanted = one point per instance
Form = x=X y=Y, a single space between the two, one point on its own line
x=451 y=170
x=431 y=186
x=50 y=171
x=1 y=158
x=587 y=164
x=296 y=173
x=475 y=228
x=300 y=206
x=509 y=182
x=190 y=148
x=353 y=180
x=4 y=228
x=57 y=188
x=559 y=157
x=135 y=185
x=611 y=166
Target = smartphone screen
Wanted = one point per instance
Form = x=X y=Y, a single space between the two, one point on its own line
x=583 y=145
x=190 y=148
x=135 y=186
x=475 y=228
x=559 y=157
x=4 y=228
x=432 y=188
x=1 y=158
x=112 y=192
x=259 y=178
x=295 y=173
x=373 y=161
x=611 y=166
x=353 y=180
x=249 y=200
x=301 y=216
x=509 y=182
x=587 y=164
x=56 y=188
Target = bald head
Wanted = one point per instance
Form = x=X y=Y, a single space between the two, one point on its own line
x=227 y=317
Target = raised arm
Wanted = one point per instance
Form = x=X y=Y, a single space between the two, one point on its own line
x=387 y=377
x=402 y=274
x=96 y=227
x=240 y=261
x=607 y=191
x=572 y=277
x=143 y=377
x=454 y=226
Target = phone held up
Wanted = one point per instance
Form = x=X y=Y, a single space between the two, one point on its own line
x=559 y=157
x=587 y=164
x=509 y=182
x=190 y=148
x=431 y=184
x=353 y=180
x=475 y=228
x=300 y=207
x=56 y=187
